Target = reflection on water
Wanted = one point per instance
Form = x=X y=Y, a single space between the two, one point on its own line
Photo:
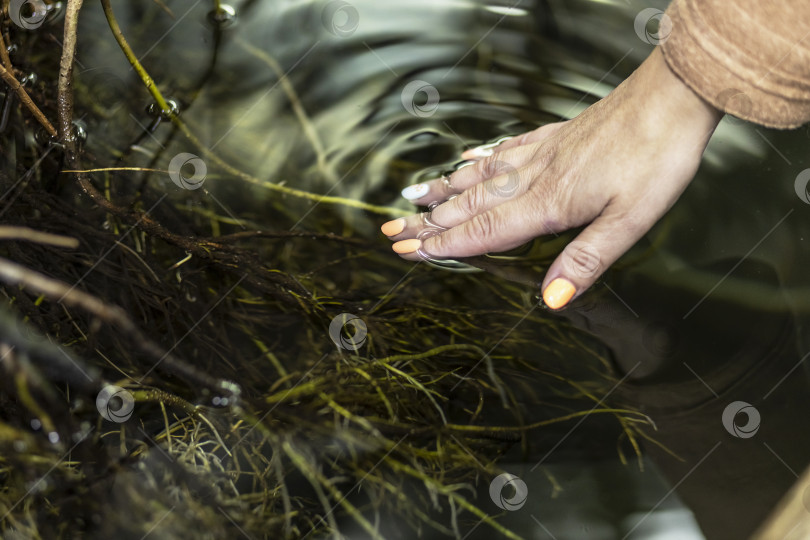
x=361 y=99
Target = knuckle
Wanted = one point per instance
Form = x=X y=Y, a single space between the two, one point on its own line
x=583 y=259
x=436 y=244
x=483 y=229
x=492 y=166
x=524 y=139
x=483 y=167
x=541 y=155
x=550 y=211
x=543 y=201
x=471 y=201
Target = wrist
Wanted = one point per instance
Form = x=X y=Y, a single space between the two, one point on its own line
x=671 y=102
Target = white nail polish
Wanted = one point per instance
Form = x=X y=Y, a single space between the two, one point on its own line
x=482 y=151
x=415 y=191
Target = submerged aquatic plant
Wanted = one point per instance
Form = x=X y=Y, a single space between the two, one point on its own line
x=169 y=366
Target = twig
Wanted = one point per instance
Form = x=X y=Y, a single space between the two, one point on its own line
x=30 y=235
x=321 y=199
x=109 y=169
x=65 y=82
x=133 y=59
x=14 y=274
x=222 y=255
x=26 y=100
x=165 y=8
x=4 y=53
x=244 y=235
x=111 y=314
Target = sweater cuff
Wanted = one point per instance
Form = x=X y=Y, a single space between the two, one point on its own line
x=741 y=58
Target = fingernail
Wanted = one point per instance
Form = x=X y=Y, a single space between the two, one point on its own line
x=558 y=293
x=479 y=152
x=393 y=227
x=415 y=191
x=407 y=246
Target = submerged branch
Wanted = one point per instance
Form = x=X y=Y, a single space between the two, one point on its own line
x=65 y=82
x=38 y=237
x=4 y=47
x=14 y=274
x=133 y=59
x=26 y=100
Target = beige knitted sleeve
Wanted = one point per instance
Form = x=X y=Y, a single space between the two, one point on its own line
x=750 y=58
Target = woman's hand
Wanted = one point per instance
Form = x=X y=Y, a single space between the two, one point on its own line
x=617 y=168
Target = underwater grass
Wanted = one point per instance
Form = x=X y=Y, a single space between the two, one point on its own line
x=249 y=417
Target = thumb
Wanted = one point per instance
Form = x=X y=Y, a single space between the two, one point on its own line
x=583 y=260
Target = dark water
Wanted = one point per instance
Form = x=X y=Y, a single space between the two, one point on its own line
x=709 y=309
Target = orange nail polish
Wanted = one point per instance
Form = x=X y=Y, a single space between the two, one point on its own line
x=407 y=246
x=394 y=227
x=558 y=293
